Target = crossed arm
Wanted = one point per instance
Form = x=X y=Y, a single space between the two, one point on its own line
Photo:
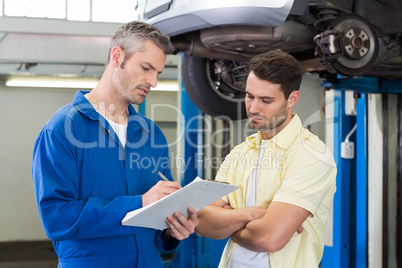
x=255 y=228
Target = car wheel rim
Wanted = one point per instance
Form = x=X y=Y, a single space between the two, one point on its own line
x=227 y=78
x=359 y=44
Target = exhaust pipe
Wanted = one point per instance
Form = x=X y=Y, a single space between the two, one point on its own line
x=196 y=48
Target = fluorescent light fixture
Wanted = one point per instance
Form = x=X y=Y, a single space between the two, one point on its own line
x=166 y=85
x=52 y=82
x=84 y=83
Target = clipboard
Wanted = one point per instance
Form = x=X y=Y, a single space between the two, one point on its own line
x=197 y=194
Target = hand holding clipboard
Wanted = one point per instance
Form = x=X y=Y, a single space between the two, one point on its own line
x=197 y=194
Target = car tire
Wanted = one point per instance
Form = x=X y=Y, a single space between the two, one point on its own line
x=202 y=86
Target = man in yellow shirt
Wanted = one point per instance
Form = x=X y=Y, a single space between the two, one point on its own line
x=286 y=178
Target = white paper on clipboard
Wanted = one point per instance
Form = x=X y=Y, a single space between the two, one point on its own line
x=197 y=194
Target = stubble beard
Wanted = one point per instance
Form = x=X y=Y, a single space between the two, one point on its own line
x=139 y=98
x=269 y=125
x=136 y=100
x=130 y=93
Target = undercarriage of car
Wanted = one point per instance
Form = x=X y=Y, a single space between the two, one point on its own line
x=350 y=38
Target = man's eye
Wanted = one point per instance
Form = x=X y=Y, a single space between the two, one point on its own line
x=249 y=96
x=145 y=69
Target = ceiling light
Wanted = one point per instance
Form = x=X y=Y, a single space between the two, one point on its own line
x=52 y=82
x=166 y=85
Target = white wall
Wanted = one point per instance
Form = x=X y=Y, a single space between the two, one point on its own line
x=162 y=108
x=23 y=113
x=311 y=105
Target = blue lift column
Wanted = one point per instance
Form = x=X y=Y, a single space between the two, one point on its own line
x=195 y=251
x=351 y=201
x=338 y=255
x=191 y=151
x=361 y=183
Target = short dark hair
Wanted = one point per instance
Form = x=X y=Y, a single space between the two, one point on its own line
x=131 y=38
x=278 y=67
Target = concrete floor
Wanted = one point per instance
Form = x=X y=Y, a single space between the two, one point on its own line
x=35 y=254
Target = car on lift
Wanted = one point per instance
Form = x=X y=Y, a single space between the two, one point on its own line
x=218 y=38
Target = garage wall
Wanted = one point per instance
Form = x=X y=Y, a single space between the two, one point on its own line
x=23 y=112
x=311 y=105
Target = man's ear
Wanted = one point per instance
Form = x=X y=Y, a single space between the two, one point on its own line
x=293 y=98
x=116 y=56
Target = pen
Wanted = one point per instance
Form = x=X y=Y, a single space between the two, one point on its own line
x=162 y=176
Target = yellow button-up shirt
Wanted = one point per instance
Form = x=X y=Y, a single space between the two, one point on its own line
x=297 y=168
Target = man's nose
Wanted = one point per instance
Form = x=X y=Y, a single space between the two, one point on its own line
x=152 y=80
x=254 y=106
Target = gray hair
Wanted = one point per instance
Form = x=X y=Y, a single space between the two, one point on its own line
x=131 y=38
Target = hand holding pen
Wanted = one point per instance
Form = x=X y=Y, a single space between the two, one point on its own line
x=161 y=189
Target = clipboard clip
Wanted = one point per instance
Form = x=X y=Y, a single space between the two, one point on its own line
x=219 y=181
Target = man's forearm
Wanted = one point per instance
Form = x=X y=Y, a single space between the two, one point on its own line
x=219 y=223
x=273 y=231
x=245 y=238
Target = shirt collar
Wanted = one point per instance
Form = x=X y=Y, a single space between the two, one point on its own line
x=82 y=104
x=283 y=139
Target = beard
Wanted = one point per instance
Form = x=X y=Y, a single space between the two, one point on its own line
x=129 y=91
x=265 y=124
